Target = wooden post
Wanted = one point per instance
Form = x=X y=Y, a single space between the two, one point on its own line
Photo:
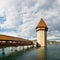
x=11 y=50
x=18 y=48
x=15 y=48
x=3 y=51
x=27 y=46
x=23 y=47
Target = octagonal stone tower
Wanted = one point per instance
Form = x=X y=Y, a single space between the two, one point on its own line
x=42 y=33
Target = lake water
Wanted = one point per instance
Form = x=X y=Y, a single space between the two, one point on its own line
x=52 y=52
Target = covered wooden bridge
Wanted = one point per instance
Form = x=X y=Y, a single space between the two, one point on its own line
x=10 y=41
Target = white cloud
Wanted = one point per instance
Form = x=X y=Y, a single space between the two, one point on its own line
x=58 y=2
x=23 y=16
x=12 y=33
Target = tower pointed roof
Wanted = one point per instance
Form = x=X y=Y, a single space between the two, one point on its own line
x=42 y=24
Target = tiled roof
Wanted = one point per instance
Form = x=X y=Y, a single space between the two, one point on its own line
x=10 y=38
x=41 y=24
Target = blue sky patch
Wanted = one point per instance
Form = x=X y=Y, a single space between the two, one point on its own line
x=2 y=20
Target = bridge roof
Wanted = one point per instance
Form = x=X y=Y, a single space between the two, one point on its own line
x=11 y=38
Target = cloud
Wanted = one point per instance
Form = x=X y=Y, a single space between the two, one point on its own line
x=24 y=15
x=10 y=33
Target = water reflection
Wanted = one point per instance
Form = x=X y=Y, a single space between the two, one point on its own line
x=30 y=54
x=42 y=53
x=52 y=52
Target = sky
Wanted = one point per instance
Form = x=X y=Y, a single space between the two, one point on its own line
x=20 y=17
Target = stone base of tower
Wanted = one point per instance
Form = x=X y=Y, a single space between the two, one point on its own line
x=39 y=45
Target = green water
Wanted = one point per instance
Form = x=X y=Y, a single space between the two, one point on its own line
x=52 y=52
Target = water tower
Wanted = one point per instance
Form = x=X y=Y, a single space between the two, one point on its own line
x=42 y=33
